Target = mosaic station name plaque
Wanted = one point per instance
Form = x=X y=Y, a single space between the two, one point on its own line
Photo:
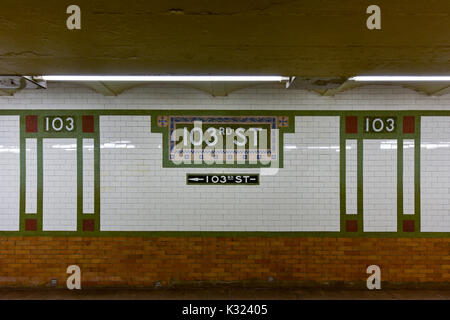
x=220 y=179
x=223 y=141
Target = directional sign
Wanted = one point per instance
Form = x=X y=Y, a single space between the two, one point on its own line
x=231 y=179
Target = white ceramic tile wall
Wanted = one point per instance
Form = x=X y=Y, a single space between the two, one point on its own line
x=60 y=184
x=264 y=97
x=9 y=172
x=351 y=181
x=435 y=215
x=138 y=194
x=312 y=170
x=380 y=185
x=88 y=175
x=435 y=174
x=408 y=176
x=128 y=156
x=31 y=176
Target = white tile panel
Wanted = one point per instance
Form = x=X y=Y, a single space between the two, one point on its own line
x=138 y=194
x=351 y=178
x=60 y=184
x=31 y=176
x=88 y=176
x=408 y=176
x=435 y=174
x=380 y=185
x=9 y=172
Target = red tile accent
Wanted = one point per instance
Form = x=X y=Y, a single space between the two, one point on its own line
x=408 y=225
x=408 y=124
x=351 y=124
x=30 y=224
x=351 y=226
x=88 y=123
x=88 y=225
x=31 y=123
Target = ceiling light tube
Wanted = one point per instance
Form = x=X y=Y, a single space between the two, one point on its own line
x=400 y=78
x=156 y=78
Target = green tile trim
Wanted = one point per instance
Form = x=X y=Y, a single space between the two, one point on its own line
x=397 y=135
x=39 y=196
x=166 y=163
x=39 y=136
x=95 y=136
x=262 y=234
x=416 y=216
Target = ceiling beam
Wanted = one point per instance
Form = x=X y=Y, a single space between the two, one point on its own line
x=441 y=91
x=219 y=89
x=8 y=92
x=101 y=87
x=347 y=85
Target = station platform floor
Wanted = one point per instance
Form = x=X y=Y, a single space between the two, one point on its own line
x=216 y=293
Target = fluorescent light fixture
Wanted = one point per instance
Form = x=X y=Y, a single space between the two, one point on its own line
x=400 y=78
x=156 y=78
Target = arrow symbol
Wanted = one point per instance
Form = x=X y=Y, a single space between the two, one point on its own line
x=196 y=179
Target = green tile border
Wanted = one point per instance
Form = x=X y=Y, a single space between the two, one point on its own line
x=39 y=136
x=397 y=135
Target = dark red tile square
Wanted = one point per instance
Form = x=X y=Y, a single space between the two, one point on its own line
x=30 y=224
x=408 y=225
x=88 y=225
x=408 y=124
x=351 y=124
x=31 y=123
x=351 y=226
x=88 y=123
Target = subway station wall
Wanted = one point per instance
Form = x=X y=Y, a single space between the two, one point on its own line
x=363 y=179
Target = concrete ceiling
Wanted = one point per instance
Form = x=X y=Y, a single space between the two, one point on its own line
x=285 y=37
x=308 y=39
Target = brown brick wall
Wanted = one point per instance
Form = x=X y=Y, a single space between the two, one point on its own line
x=140 y=261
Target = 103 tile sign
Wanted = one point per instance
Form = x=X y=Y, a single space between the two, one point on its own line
x=59 y=124
x=380 y=124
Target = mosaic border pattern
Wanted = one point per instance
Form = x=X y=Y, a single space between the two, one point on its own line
x=172 y=121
